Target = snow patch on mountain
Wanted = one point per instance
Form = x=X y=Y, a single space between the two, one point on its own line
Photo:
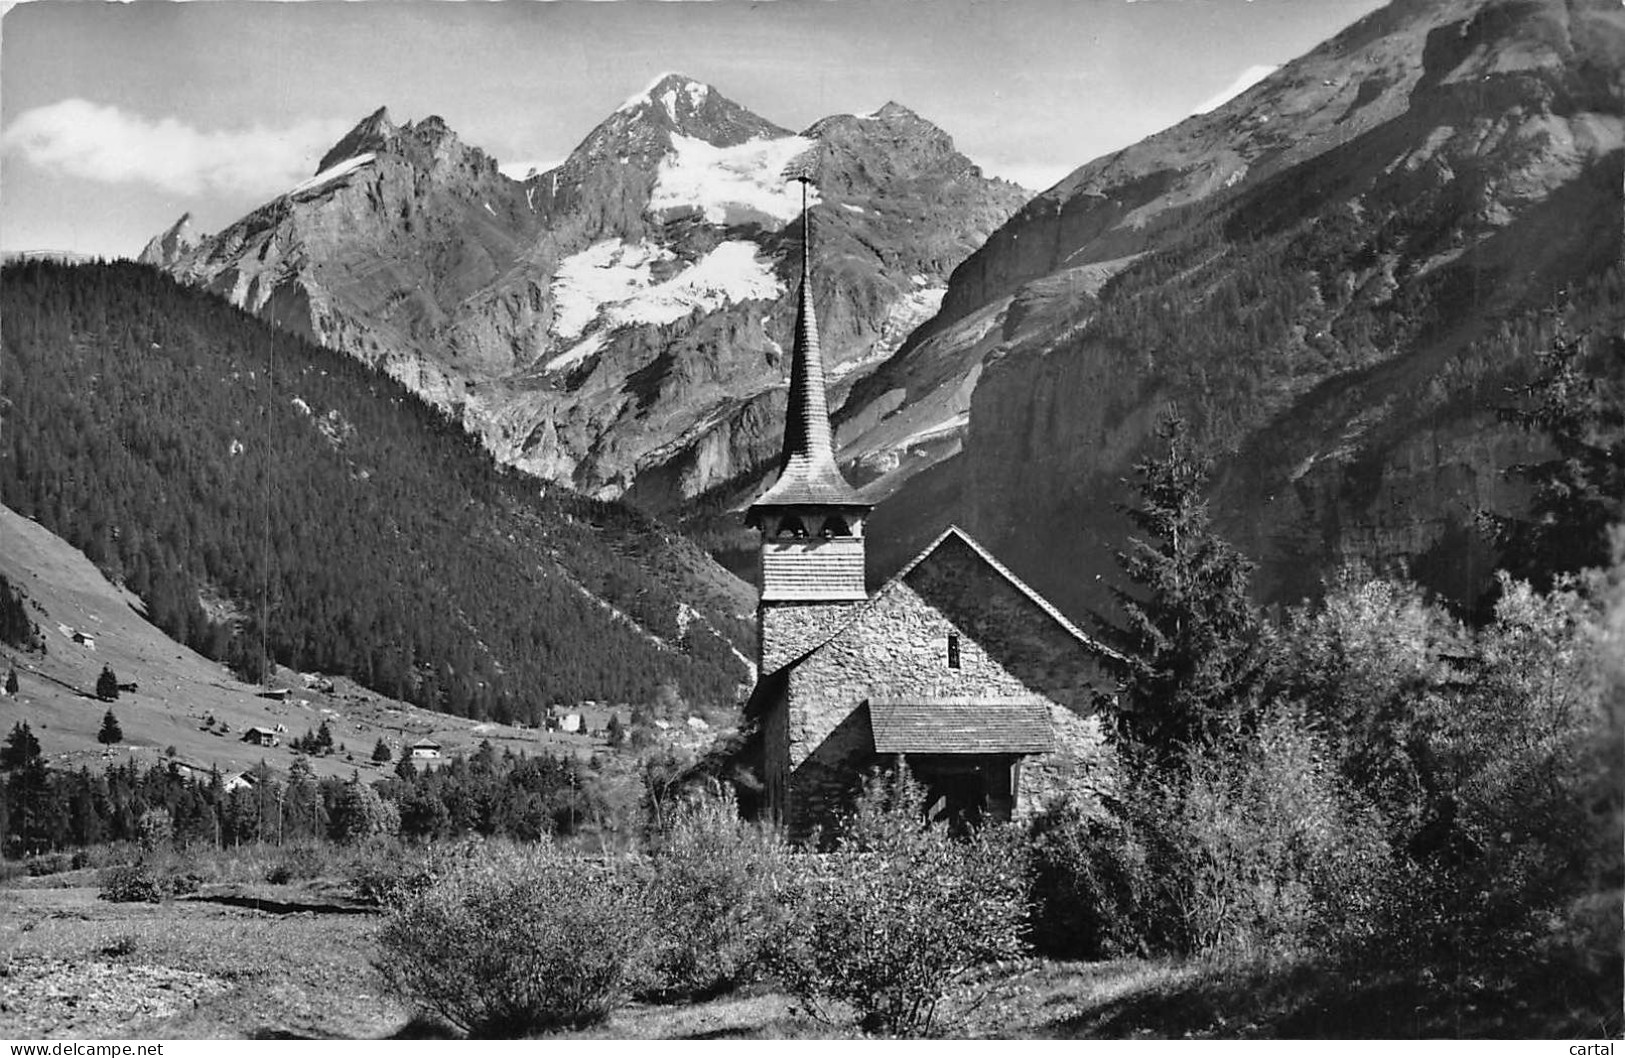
x=614 y=281
x=332 y=173
x=731 y=273
x=638 y=99
x=578 y=352
x=603 y=273
x=731 y=185
x=904 y=316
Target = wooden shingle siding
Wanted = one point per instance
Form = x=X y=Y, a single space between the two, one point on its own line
x=980 y=725
x=813 y=569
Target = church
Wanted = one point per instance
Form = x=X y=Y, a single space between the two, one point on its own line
x=954 y=666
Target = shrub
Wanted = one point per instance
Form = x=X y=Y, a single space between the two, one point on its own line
x=714 y=886
x=296 y=863
x=1253 y=848
x=133 y=883
x=509 y=943
x=888 y=921
x=388 y=878
x=1089 y=881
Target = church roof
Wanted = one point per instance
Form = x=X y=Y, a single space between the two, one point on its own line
x=961 y=725
x=808 y=473
x=953 y=532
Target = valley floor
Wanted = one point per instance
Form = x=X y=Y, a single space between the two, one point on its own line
x=293 y=961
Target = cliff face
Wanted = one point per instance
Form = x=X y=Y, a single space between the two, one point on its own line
x=1335 y=277
x=619 y=323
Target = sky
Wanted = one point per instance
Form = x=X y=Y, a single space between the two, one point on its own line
x=116 y=118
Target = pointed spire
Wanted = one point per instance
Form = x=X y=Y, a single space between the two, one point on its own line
x=808 y=473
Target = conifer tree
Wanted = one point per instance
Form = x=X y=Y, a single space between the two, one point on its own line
x=11 y=681
x=1578 y=402
x=1189 y=638
x=21 y=747
x=107 y=685
x=381 y=753
x=324 y=738
x=110 y=733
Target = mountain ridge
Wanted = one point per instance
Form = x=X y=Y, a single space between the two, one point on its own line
x=617 y=323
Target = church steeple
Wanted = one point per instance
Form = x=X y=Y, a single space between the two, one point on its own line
x=807 y=469
x=810 y=519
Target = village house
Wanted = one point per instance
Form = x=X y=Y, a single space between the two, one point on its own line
x=425 y=749
x=261 y=736
x=954 y=666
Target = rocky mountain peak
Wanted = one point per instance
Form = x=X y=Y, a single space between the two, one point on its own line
x=168 y=246
x=675 y=104
x=375 y=132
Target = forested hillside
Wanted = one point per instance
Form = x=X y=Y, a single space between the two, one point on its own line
x=254 y=488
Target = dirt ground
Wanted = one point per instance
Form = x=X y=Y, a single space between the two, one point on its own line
x=260 y=961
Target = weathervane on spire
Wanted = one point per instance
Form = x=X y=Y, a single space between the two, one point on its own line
x=803 y=169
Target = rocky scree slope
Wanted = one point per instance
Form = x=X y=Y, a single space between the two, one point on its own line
x=621 y=322
x=1336 y=277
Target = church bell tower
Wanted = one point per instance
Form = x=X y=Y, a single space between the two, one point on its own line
x=810 y=520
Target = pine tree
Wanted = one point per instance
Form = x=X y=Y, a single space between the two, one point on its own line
x=616 y=732
x=381 y=753
x=1189 y=639
x=107 y=685
x=11 y=682
x=21 y=747
x=324 y=738
x=110 y=733
x=1578 y=402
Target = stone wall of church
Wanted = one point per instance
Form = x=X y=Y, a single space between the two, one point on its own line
x=787 y=630
x=898 y=648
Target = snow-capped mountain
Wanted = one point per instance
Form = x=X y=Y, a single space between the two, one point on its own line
x=619 y=322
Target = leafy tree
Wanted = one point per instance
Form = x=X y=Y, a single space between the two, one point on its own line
x=381 y=753
x=107 y=685
x=1189 y=639
x=110 y=733
x=359 y=813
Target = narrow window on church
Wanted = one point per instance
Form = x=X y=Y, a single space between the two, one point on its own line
x=953 y=650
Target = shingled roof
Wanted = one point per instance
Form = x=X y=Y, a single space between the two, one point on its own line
x=808 y=473
x=961 y=725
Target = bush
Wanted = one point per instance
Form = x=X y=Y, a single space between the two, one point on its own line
x=389 y=877
x=714 y=885
x=510 y=943
x=1256 y=848
x=297 y=863
x=133 y=883
x=888 y=921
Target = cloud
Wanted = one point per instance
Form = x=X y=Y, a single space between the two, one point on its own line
x=83 y=139
x=1244 y=80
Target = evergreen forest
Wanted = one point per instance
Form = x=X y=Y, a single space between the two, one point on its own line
x=271 y=499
